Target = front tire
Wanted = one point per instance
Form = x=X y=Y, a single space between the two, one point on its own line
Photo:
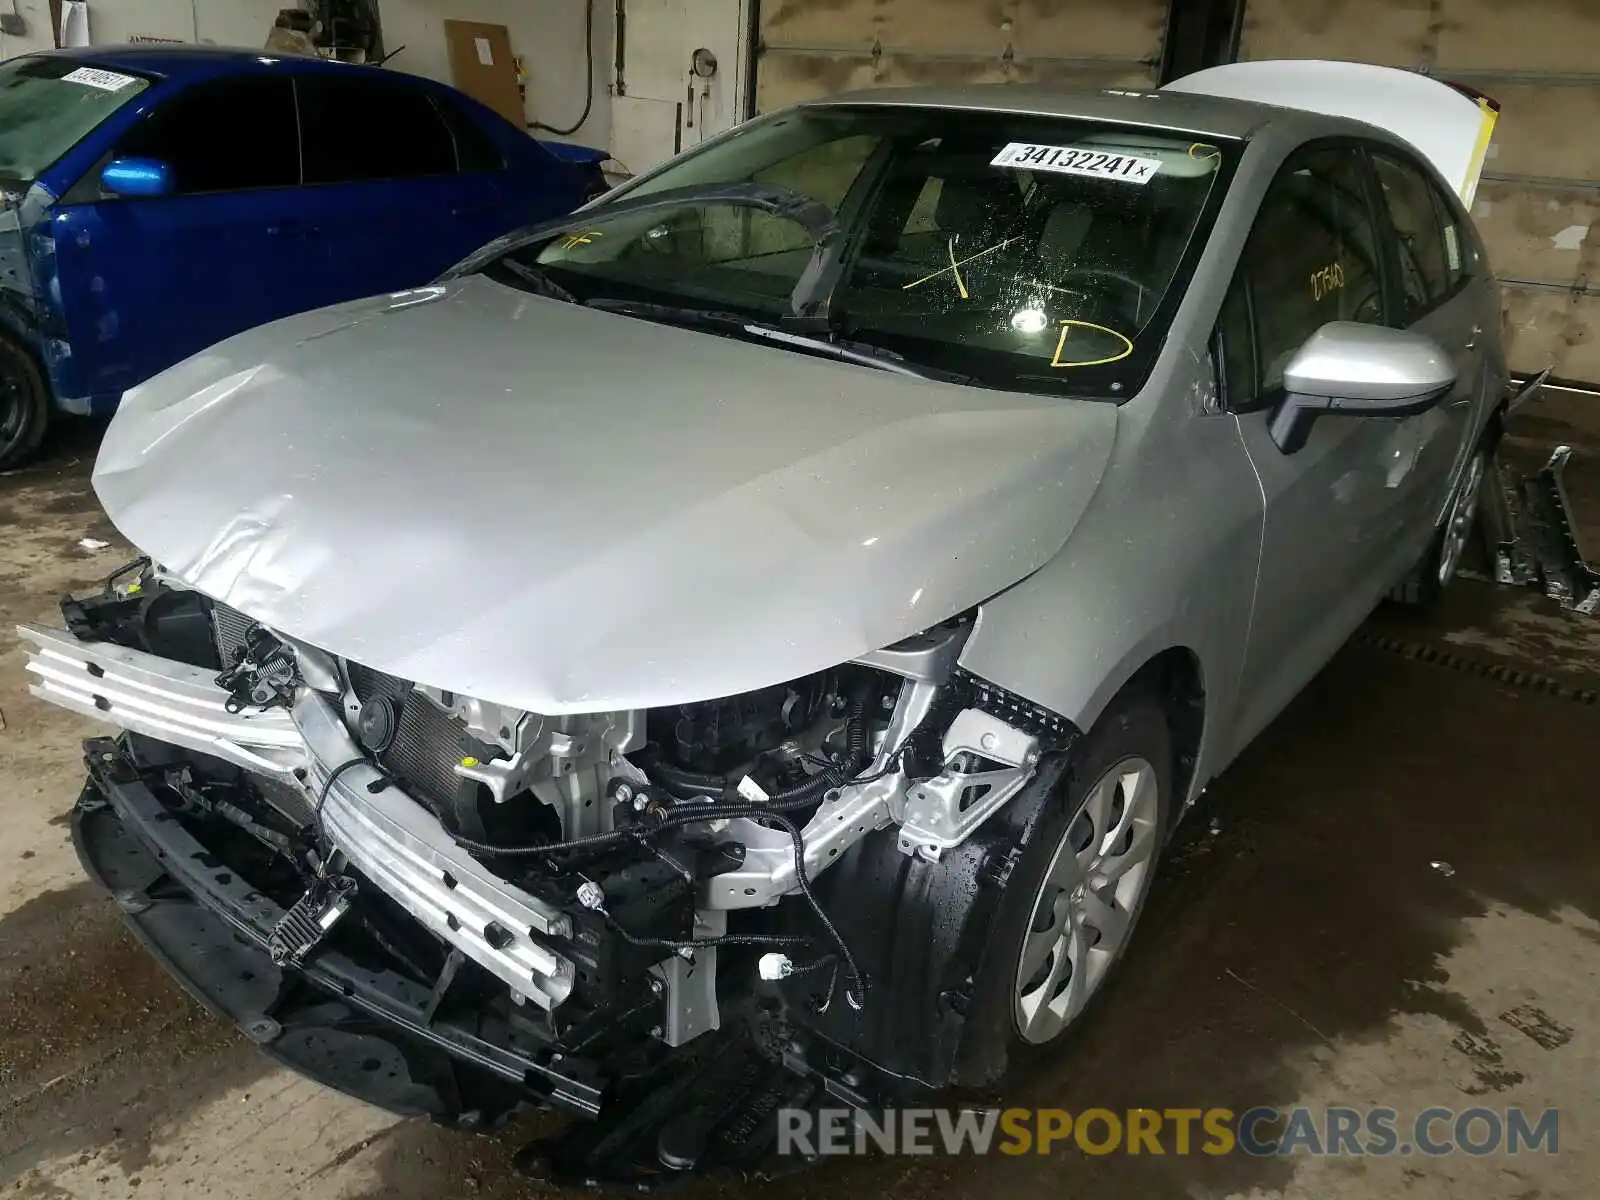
x=1071 y=904
x=24 y=404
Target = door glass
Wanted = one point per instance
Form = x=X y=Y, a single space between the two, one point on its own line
x=474 y=149
x=1424 y=266
x=1311 y=257
x=363 y=128
x=229 y=135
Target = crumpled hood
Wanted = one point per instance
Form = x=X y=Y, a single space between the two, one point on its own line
x=565 y=510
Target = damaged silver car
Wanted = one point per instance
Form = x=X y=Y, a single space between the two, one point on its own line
x=748 y=643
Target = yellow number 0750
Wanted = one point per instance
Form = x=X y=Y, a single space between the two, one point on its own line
x=1328 y=279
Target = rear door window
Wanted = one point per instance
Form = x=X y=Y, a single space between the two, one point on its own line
x=1421 y=242
x=356 y=128
x=228 y=135
x=475 y=150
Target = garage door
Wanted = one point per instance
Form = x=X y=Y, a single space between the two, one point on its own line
x=1539 y=202
x=810 y=48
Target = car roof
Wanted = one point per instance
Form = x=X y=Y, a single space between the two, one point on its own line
x=181 y=62
x=1187 y=112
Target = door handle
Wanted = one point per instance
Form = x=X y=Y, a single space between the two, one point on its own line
x=1472 y=342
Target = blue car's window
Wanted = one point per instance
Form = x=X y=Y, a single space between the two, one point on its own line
x=475 y=150
x=228 y=135
x=48 y=105
x=360 y=126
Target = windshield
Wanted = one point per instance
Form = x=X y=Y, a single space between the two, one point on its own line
x=48 y=105
x=1021 y=251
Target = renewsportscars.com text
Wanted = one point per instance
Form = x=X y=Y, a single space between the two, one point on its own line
x=1260 y=1131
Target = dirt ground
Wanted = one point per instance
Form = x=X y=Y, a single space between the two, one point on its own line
x=1397 y=881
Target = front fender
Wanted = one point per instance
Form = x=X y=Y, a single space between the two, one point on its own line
x=1166 y=556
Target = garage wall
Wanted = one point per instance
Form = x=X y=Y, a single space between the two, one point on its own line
x=810 y=48
x=1539 y=203
x=549 y=34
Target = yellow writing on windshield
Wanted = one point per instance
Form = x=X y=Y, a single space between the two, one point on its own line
x=1056 y=359
x=956 y=265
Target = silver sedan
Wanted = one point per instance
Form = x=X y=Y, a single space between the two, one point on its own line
x=835 y=561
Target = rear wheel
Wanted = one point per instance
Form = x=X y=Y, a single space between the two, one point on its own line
x=24 y=405
x=1429 y=578
x=1069 y=908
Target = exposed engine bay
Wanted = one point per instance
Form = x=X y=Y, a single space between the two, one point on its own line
x=601 y=883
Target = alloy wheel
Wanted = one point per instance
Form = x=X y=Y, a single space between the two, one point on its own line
x=1085 y=907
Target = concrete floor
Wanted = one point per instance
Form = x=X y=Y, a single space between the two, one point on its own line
x=1300 y=946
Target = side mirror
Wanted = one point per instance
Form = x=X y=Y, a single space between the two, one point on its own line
x=1352 y=370
x=136 y=177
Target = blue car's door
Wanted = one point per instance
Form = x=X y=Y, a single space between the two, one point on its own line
x=146 y=282
x=387 y=170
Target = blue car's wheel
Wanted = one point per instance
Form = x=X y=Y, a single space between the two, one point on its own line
x=24 y=405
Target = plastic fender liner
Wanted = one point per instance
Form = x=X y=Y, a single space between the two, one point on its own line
x=920 y=931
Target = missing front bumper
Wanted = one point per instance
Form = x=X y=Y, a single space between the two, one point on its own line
x=384 y=833
x=372 y=1034
x=369 y=1032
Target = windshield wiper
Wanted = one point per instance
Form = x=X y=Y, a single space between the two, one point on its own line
x=861 y=353
x=538 y=282
x=816 y=218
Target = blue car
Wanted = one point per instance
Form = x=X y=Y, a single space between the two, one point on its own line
x=157 y=199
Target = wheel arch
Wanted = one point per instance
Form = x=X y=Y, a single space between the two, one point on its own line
x=1175 y=678
x=16 y=452
x=1172 y=663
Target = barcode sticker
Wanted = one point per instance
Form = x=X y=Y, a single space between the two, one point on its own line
x=106 y=81
x=1078 y=160
x=1452 y=245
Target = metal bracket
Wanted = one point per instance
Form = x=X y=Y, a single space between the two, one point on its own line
x=942 y=812
x=690 y=1002
x=930 y=656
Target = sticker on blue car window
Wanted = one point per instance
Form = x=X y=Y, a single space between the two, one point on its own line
x=1078 y=160
x=106 y=81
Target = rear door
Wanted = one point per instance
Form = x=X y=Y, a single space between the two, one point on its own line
x=149 y=281
x=1440 y=293
x=386 y=169
x=1335 y=511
